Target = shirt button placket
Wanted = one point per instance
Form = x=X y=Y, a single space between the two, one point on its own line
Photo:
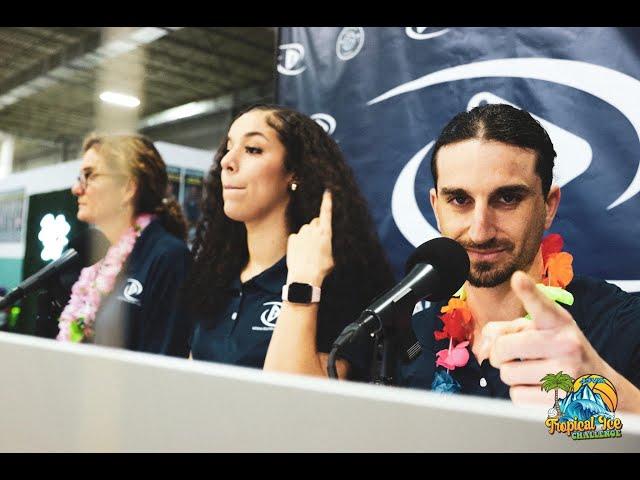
x=234 y=315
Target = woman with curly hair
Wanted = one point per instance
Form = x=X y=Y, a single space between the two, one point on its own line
x=282 y=209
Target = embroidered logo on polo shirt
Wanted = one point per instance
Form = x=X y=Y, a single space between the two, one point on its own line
x=269 y=316
x=132 y=289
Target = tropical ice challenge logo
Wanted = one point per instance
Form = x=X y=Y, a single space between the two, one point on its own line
x=588 y=409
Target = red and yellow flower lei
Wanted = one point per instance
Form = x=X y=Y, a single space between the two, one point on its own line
x=458 y=321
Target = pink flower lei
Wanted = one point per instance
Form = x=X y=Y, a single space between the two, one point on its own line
x=95 y=283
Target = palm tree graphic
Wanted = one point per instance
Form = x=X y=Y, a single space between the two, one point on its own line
x=558 y=381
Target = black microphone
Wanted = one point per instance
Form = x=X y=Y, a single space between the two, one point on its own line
x=35 y=281
x=436 y=270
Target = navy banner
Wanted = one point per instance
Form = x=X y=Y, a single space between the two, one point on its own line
x=385 y=93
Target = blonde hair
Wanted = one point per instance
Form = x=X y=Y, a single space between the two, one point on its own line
x=137 y=156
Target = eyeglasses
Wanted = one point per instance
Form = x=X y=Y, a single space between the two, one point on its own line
x=85 y=177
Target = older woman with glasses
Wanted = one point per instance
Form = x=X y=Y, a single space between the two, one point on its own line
x=129 y=299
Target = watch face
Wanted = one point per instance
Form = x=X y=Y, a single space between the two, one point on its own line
x=299 y=292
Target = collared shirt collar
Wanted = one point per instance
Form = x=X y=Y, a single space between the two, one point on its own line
x=270 y=280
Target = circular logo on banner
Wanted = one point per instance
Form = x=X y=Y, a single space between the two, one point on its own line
x=418 y=33
x=350 y=41
x=326 y=121
x=290 y=59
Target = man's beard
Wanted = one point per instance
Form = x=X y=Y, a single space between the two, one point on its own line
x=488 y=274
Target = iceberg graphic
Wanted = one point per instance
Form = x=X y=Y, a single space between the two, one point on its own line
x=582 y=405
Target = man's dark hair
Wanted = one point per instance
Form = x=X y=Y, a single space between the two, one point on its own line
x=501 y=123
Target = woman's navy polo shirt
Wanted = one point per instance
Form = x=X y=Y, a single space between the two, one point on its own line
x=239 y=332
x=608 y=317
x=143 y=312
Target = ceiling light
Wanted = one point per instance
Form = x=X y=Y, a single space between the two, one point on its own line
x=120 y=99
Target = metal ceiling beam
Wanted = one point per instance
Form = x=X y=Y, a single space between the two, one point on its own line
x=155 y=80
x=32 y=117
x=203 y=107
x=32 y=123
x=189 y=110
x=70 y=34
x=190 y=62
x=18 y=129
x=49 y=41
x=22 y=140
x=49 y=63
x=155 y=73
x=215 y=53
x=35 y=112
x=192 y=76
x=240 y=39
x=22 y=45
x=88 y=52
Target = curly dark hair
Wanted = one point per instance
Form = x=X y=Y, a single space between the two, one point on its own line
x=361 y=270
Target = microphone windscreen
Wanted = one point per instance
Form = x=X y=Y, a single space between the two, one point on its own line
x=449 y=259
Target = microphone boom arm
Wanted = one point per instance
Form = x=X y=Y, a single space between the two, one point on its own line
x=35 y=280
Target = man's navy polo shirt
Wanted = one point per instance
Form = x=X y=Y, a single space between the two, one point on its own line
x=608 y=317
x=143 y=311
x=239 y=332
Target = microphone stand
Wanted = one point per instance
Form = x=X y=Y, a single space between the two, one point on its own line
x=387 y=338
x=384 y=355
x=386 y=352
